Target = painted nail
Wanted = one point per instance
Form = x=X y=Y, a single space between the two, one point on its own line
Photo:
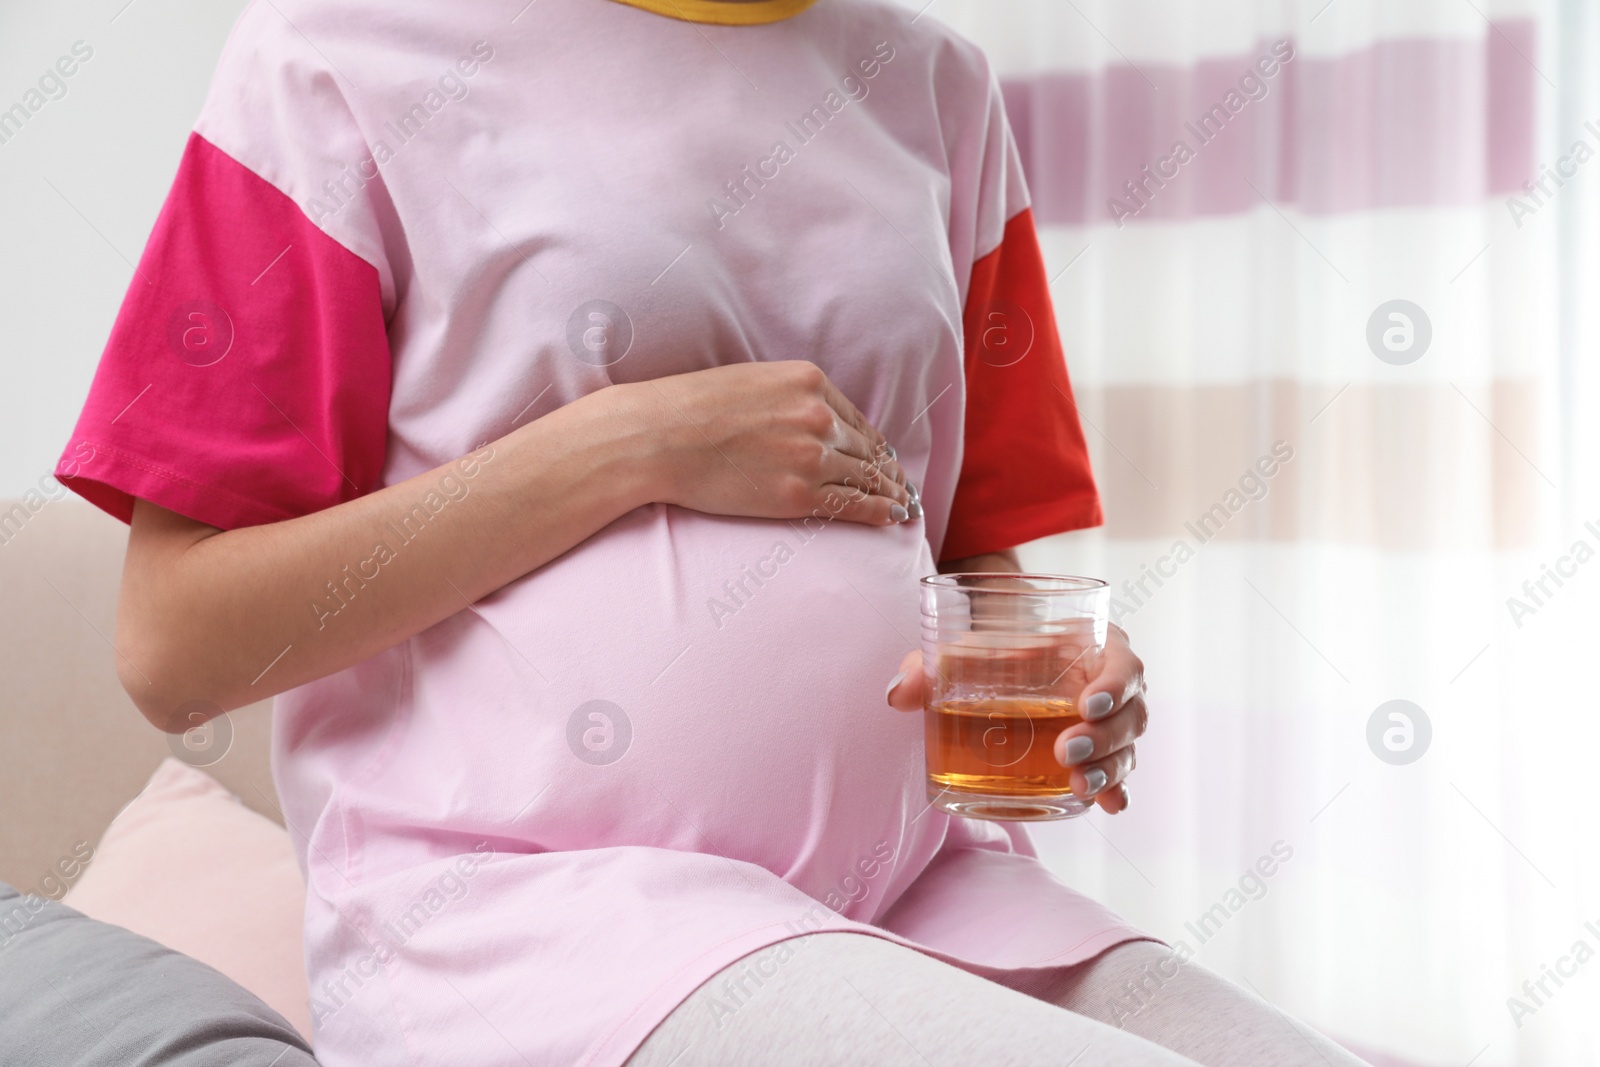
x=914 y=509
x=1095 y=780
x=1078 y=749
x=1127 y=797
x=898 y=513
x=912 y=490
x=1097 y=706
x=896 y=680
x=887 y=447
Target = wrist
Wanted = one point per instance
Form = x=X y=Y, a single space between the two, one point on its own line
x=1002 y=562
x=633 y=441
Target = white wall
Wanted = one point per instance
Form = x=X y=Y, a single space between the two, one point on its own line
x=109 y=145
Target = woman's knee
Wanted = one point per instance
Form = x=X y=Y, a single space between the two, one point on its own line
x=1162 y=994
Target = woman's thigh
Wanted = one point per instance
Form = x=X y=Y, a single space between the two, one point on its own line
x=841 y=998
x=1141 y=988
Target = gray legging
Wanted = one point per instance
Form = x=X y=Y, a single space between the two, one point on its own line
x=843 y=998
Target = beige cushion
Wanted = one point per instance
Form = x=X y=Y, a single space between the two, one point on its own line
x=191 y=868
x=76 y=749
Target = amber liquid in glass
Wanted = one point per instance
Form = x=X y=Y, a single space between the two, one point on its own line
x=999 y=745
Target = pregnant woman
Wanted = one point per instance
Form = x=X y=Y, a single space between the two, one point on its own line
x=555 y=408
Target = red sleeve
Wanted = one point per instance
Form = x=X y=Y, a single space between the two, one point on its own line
x=1024 y=469
x=246 y=379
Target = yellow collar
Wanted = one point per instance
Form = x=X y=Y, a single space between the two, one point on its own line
x=724 y=12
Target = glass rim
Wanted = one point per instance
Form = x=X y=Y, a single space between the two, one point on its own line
x=1061 y=584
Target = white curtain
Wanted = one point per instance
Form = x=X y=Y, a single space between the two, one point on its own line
x=1219 y=320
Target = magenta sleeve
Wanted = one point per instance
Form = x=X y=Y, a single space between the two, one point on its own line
x=247 y=376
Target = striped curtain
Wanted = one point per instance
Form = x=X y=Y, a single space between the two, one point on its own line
x=1326 y=274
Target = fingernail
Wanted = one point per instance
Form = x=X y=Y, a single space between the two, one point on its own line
x=1127 y=797
x=896 y=680
x=1077 y=750
x=1095 y=780
x=912 y=490
x=887 y=447
x=1097 y=706
x=914 y=509
x=898 y=513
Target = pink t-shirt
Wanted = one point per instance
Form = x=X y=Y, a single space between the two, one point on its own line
x=402 y=229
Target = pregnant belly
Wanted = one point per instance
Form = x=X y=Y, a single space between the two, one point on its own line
x=684 y=681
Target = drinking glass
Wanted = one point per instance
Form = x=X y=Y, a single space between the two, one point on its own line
x=1005 y=657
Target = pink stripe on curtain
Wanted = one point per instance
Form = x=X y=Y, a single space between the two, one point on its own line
x=1384 y=126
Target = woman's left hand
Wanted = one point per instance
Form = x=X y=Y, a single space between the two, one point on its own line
x=1099 y=750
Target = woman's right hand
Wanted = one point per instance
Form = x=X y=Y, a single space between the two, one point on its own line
x=774 y=441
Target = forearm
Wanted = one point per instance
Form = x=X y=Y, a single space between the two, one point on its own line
x=230 y=617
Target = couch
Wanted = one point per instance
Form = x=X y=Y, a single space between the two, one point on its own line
x=75 y=747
